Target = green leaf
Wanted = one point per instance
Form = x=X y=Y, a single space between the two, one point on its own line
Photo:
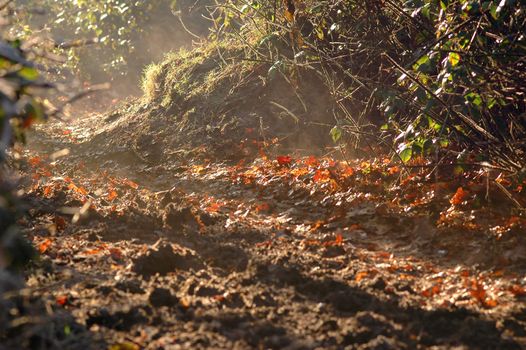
x=336 y=134
x=433 y=124
x=458 y=170
x=422 y=60
x=473 y=98
x=423 y=64
x=28 y=73
x=406 y=154
x=454 y=58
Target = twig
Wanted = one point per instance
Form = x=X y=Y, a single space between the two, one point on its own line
x=178 y=15
x=510 y=196
x=294 y=116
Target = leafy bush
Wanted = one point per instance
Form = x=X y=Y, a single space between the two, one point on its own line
x=124 y=36
x=424 y=72
x=467 y=78
x=19 y=109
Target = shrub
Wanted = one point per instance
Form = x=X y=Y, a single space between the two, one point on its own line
x=424 y=72
x=19 y=109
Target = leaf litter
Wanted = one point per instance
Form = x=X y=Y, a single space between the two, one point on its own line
x=269 y=246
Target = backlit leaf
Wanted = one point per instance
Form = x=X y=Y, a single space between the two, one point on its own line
x=336 y=133
x=454 y=58
x=406 y=154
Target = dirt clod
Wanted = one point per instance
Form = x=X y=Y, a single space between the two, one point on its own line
x=162 y=297
x=163 y=259
x=179 y=217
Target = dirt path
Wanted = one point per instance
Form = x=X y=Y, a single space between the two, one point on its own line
x=281 y=254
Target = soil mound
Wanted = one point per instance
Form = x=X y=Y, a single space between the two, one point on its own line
x=211 y=102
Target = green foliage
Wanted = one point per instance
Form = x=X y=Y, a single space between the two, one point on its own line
x=19 y=109
x=336 y=134
x=117 y=25
x=423 y=72
x=466 y=78
x=124 y=36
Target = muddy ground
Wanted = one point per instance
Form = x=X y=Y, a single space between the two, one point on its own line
x=258 y=253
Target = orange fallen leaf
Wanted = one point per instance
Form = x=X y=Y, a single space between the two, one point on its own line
x=62 y=300
x=459 y=196
x=502 y=180
x=46 y=173
x=112 y=195
x=262 y=207
x=219 y=298
x=384 y=255
x=214 y=207
x=348 y=171
x=490 y=303
x=394 y=170
x=322 y=176
x=432 y=291
x=410 y=196
x=185 y=303
x=28 y=121
x=339 y=239
x=360 y=276
x=478 y=292
x=289 y=12
x=284 y=160
x=513 y=221
x=44 y=246
x=300 y=172
x=48 y=190
x=316 y=225
x=79 y=190
x=311 y=242
x=131 y=184
x=92 y=251
x=265 y=244
x=311 y=161
x=34 y=161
